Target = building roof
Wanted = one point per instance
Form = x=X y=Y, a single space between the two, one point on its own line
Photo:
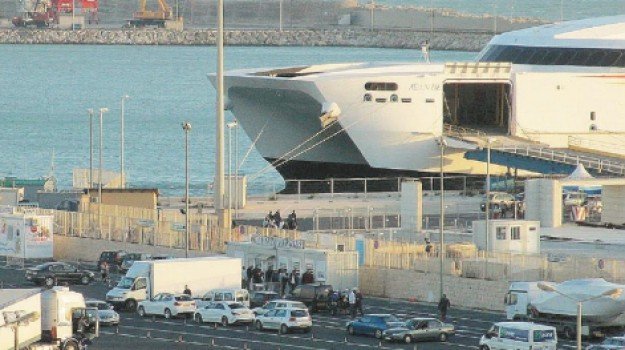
x=11 y=296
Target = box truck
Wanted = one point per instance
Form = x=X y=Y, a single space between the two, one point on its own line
x=53 y=319
x=145 y=279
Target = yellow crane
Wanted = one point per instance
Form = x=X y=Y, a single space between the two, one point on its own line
x=162 y=18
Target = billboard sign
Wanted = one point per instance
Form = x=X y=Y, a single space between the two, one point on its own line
x=26 y=236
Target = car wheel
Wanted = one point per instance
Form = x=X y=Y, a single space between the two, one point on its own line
x=71 y=345
x=224 y=321
x=141 y=311
x=284 y=329
x=442 y=337
x=350 y=330
x=378 y=334
x=50 y=281
x=407 y=339
x=259 y=325
x=167 y=313
x=85 y=280
x=484 y=347
x=131 y=305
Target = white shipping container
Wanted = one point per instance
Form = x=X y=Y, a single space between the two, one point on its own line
x=27 y=236
x=18 y=303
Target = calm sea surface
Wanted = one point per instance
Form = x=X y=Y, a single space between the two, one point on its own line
x=545 y=9
x=45 y=92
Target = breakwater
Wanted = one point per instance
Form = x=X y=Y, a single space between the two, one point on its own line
x=448 y=40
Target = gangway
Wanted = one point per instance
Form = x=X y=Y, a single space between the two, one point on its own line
x=534 y=156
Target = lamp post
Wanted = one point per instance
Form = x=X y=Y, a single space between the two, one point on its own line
x=280 y=15
x=219 y=106
x=442 y=144
x=102 y=111
x=489 y=143
x=90 y=111
x=230 y=126
x=236 y=170
x=122 y=182
x=186 y=126
x=611 y=293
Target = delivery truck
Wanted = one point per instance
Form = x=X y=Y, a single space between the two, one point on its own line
x=53 y=319
x=145 y=279
x=556 y=304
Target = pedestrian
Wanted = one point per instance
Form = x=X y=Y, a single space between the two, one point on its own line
x=351 y=298
x=269 y=274
x=277 y=219
x=428 y=246
x=284 y=278
x=249 y=273
x=443 y=306
x=308 y=277
x=104 y=270
x=293 y=280
x=269 y=220
x=293 y=220
x=187 y=291
x=359 y=302
x=243 y=278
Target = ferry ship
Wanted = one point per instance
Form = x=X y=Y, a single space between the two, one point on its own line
x=556 y=85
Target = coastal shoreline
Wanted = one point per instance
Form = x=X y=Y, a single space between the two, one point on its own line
x=377 y=38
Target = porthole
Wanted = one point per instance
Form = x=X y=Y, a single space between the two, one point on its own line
x=367 y=98
x=394 y=98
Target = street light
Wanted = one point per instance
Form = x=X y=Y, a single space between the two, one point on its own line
x=442 y=144
x=186 y=126
x=611 y=293
x=90 y=111
x=489 y=142
x=230 y=126
x=122 y=182
x=102 y=111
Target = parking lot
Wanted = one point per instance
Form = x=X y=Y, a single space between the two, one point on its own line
x=328 y=332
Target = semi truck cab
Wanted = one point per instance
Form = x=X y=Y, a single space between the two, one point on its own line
x=516 y=302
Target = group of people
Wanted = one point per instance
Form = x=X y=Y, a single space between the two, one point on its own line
x=255 y=275
x=348 y=301
x=274 y=220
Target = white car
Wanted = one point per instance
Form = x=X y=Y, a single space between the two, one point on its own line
x=106 y=312
x=168 y=305
x=279 y=303
x=224 y=312
x=285 y=320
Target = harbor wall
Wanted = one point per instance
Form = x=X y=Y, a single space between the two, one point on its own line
x=408 y=39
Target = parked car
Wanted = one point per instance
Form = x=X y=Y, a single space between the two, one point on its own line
x=612 y=343
x=162 y=257
x=519 y=335
x=53 y=273
x=106 y=312
x=285 y=320
x=130 y=258
x=113 y=257
x=167 y=304
x=261 y=297
x=224 y=312
x=417 y=329
x=373 y=324
x=573 y=198
x=314 y=296
x=499 y=201
x=278 y=303
x=226 y=294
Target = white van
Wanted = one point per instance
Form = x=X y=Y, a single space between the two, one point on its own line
x=229 y=294
x=519 y=336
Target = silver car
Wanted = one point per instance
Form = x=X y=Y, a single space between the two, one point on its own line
x=417 y=329
x=613 y=343
x=106 y=314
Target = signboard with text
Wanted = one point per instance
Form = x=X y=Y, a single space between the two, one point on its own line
x=277 y=242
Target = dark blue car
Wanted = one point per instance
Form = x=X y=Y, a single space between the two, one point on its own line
x=373 y=324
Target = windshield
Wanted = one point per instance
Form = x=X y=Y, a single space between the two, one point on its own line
x=183 y=298
x=298 y=305
x=125 y=283
x=99 y=306
x=237 y=306
x=132 y=257
x=299 y=313
x=390 y=318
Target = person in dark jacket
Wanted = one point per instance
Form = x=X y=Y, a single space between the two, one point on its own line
x=443 y=306
x=359 y=302
x=187 y=291
x=308 y=277
x=277 y=219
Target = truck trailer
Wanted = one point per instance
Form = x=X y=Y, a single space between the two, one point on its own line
x=53 y=319
x=145 y=279
x=555 y=304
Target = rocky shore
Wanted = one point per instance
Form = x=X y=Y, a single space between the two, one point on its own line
x=409 y=39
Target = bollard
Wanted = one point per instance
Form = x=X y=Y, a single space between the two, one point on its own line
x=117 y=329
x=345 y=341
x=244 y=345
x=184 y=322
x=380 y=344
x=247 y=328
x=212 y=341
x=148 y=335
x=414 y=347
x=153 y=318
x=180 y=339
x=215 y=325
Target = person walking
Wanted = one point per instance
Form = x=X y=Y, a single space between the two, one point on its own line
x=359 y=302
x=293 y=220
x=278 y=219
x=244 y=283
x=104 y=270
x=293 y=280
x=284 y=278
x=351 y=298
x=249 y=272
x=443 y=306
x=187 y=291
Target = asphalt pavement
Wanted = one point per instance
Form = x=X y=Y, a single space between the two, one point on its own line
x=328 y=332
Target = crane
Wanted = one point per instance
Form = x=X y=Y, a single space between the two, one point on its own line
x=162 y=18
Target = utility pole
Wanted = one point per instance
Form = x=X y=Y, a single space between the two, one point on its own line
x=186 y=126
x=122 y=181
x=102 y=111
x=219 y=157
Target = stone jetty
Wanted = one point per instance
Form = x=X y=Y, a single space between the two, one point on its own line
x=382 y=38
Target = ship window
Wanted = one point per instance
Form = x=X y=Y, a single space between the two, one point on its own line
x=515 y=233
x=596 y=57
x=380 y=100
x=620 y=62
x=367 y=98
x=524 y=55
x=580 y=58
x=394 y=98
x=501 y=233
x=406 y=100
x=593 y=116
x=610 y=58
x=374 y=86
x=593 y=127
